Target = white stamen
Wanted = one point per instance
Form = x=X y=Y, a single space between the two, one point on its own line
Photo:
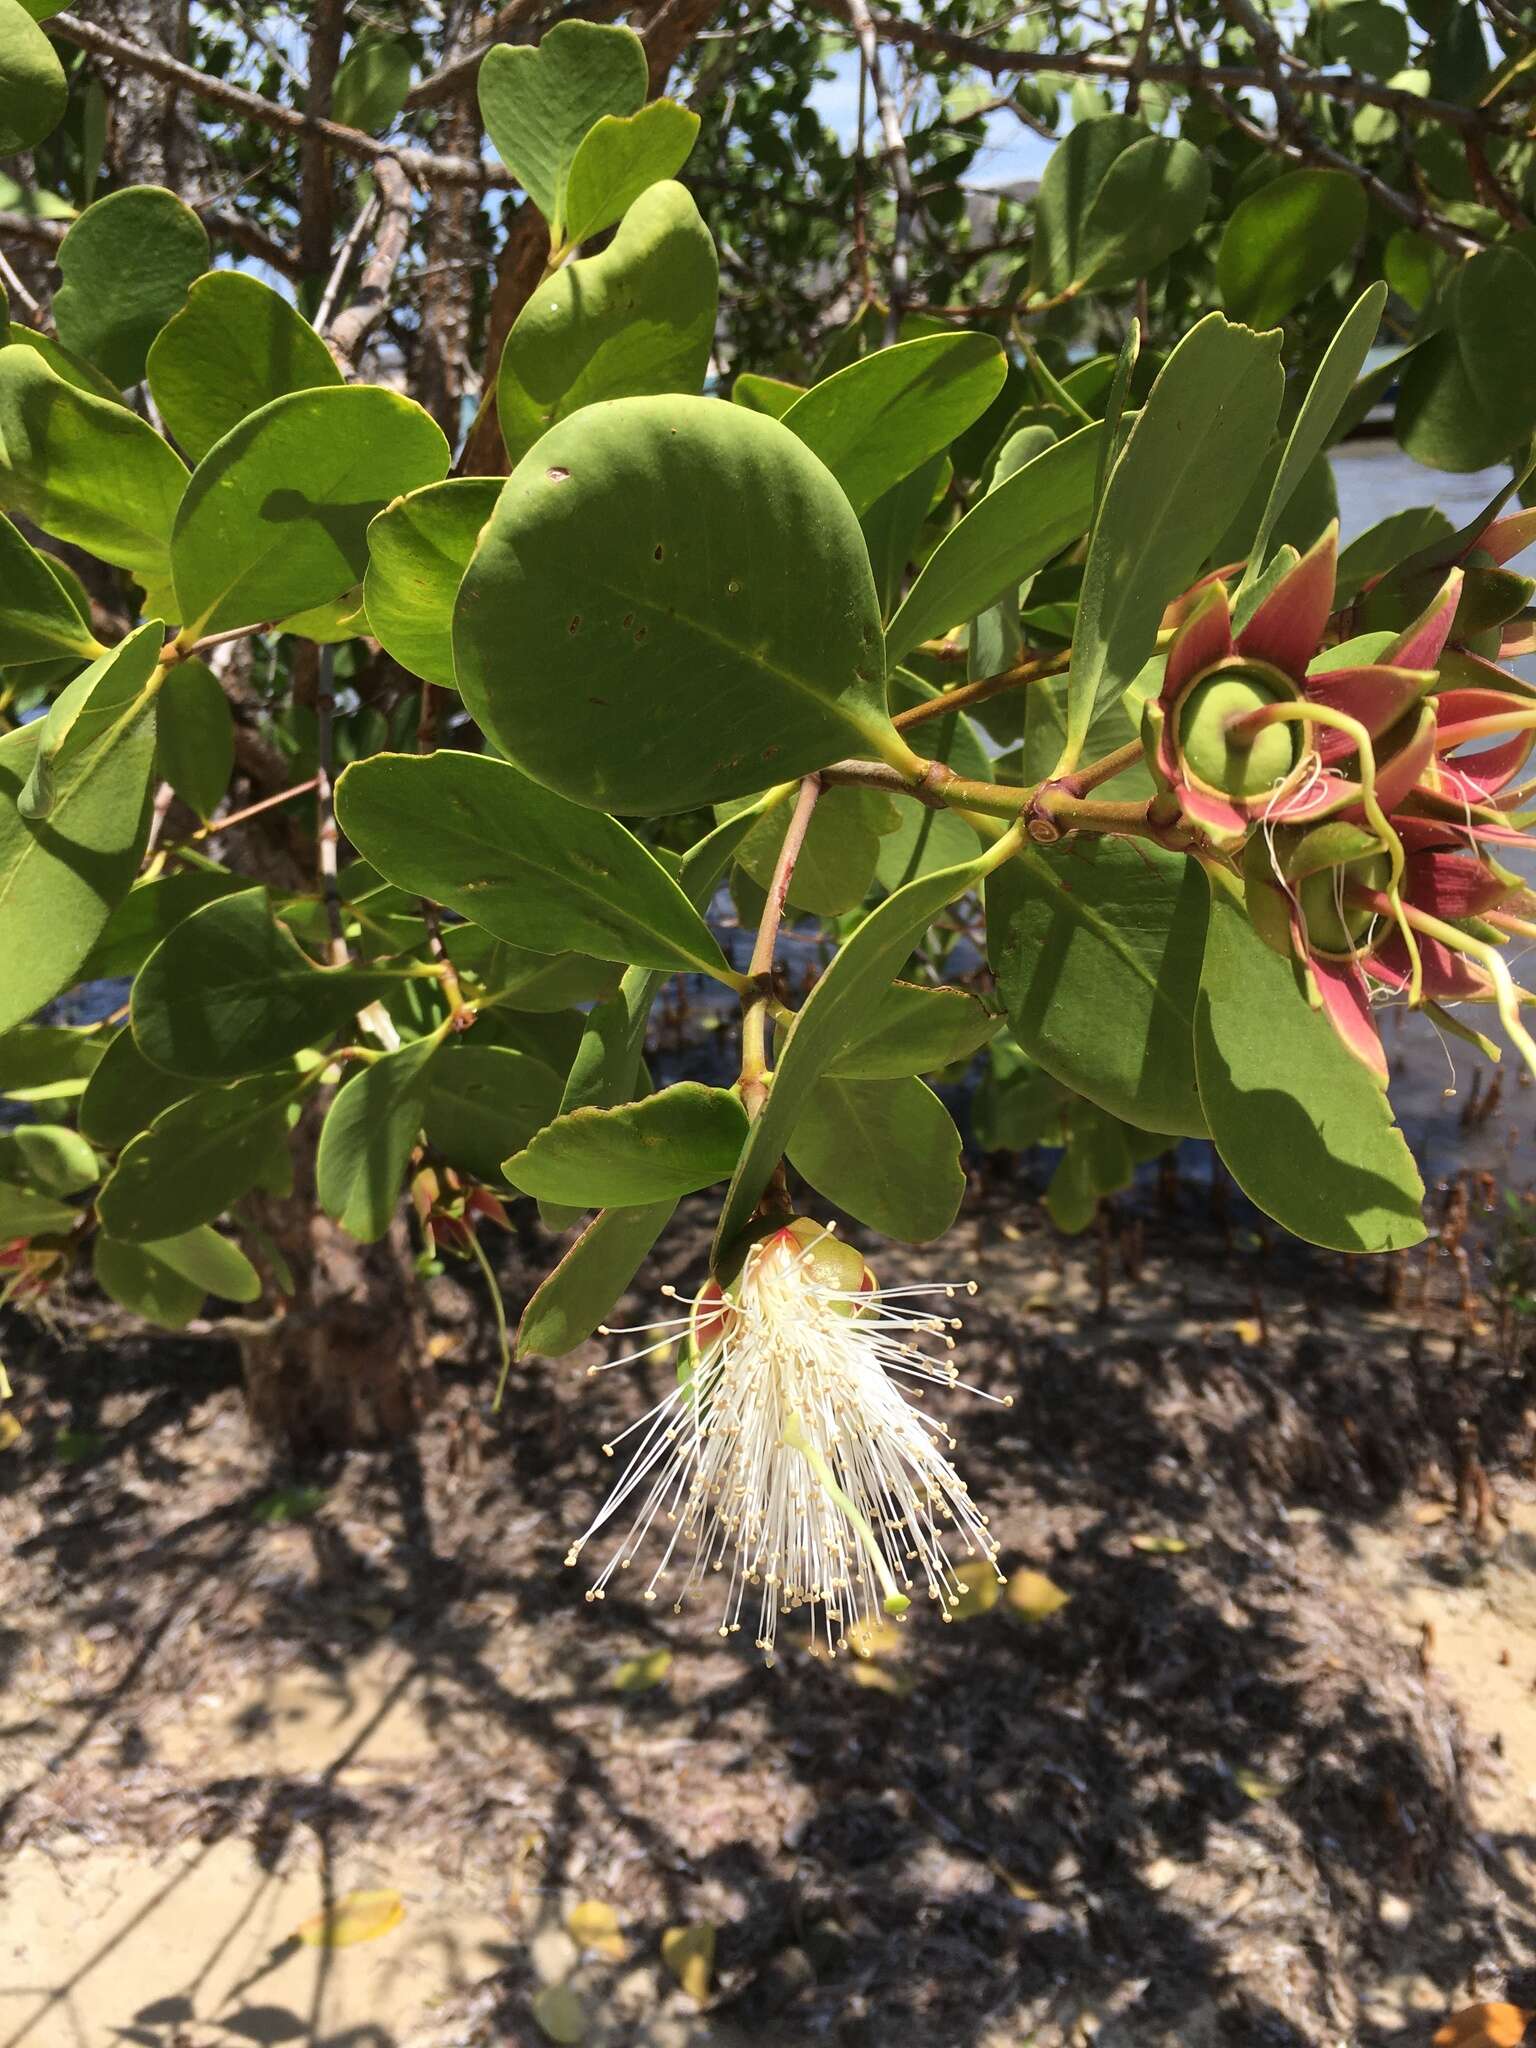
x=792 y=1462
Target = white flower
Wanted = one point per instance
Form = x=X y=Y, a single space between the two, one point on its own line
x=793 y=1458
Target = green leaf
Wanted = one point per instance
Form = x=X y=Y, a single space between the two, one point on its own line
x=619 y=158
x=893 y=526
x=672 y=562
x=654 y=1150
x=49 y=1157
x=772 y=395
x=1285 y=241
x=886 y=1151
x=1097 y=948
x=64 y=363
x=86 y=469
x=32 y=88
x=276 y=516
x=526 y=864
x=42 y=1062
x=371 y=82
x=1099 y=1161
x=1365 y=35
x=235 y=346
x=418 y=550
x=38 y=621
x=837 y=861
x=229 y=991
x=167 y=1282
x=125 y=1094
x=1184 y=471
x=913 y=1030
x=832 y=1016
x=1113 y=203
x=127 y=264
x=635 y=320
x=538 y=102
x=484 y=1102
x=366 y=1140
x=1302 y=1125
x=1389 y=542
x=1468 y=393
x=196 y=1159
x=99 y=701
x=1013 y=531
x=520 y=980
x=570 y=1302
x=878 y=420
x=147 y=913
x=1326 y=396
x=197 y=736
x=60 y=876
x=26 y=1213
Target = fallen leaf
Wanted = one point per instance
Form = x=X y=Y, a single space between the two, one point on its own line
x=639 y=1674
x=358 y=1916
x=875 y=1678
x=288 y=1504
x=1016 y=1885
x=1485 y=2026
x=594 y=1925
x=1428 y=1512
x=11 y=1431
x=1254 y=1784
x=1248 y=1330
x=85 y=1652
x=560 y=2013
x=689 y=1953
x=1161 y=1546
x=1034 y=1597
x=979 y=1588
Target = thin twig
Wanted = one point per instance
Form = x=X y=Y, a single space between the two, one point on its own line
x=18 y=291
x=349 y=248
x=371 y=301
x=760 y=966
x=901 y=170
x=325 y=798
x=228 y=822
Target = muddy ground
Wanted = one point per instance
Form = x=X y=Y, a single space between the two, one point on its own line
x=1269 y=1779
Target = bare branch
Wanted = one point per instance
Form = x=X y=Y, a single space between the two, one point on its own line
x=419 y=164
x=353 y=326
x=901 y=170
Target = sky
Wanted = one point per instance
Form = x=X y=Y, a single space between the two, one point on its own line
x=1011 y=152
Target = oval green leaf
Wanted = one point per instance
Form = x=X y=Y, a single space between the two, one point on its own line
x=275 y=518
x=196 y=1159
x=127 y=264
x=235 y=346
x=366 y=1140
x=619 y=158
x=197 y=736
x=1285 y=240
x=886 y=1151
x=418 y=550
x=672 y=563
x=570 y=1302
x=666 y=1145
x=484 y=1102
x=33 y=92
x=538 y=102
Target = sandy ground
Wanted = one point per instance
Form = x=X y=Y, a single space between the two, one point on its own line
x=1269 y=1778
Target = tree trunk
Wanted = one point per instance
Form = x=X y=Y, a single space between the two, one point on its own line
x=345 y=1363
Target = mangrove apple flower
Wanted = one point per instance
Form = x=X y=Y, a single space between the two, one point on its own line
x=792 y=1458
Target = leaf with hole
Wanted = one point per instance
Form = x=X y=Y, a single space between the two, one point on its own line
x=671 y=563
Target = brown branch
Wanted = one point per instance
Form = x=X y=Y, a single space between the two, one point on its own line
x=419 y=164
x=1352 y=90
x=901 y=170
x=316 y=213
x=352 y=326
